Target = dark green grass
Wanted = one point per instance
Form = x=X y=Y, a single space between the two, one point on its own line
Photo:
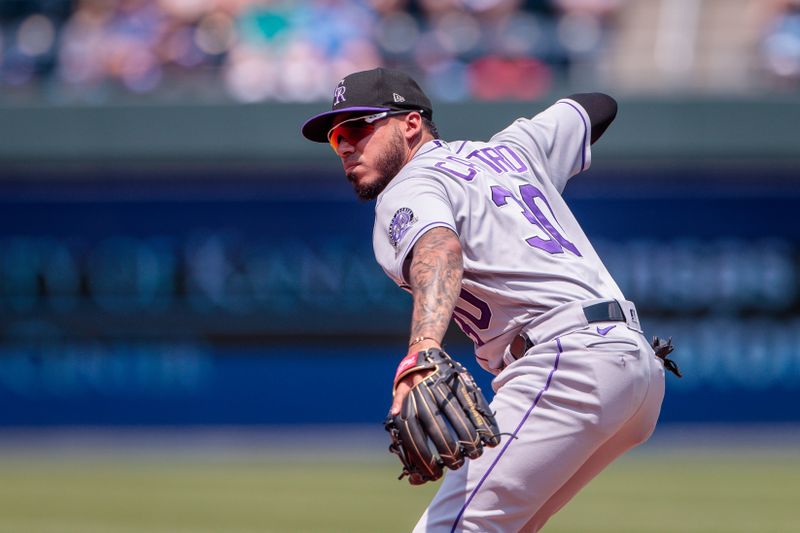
x=646 y=492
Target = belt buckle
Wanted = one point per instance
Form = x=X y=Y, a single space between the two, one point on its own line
x=631 y=316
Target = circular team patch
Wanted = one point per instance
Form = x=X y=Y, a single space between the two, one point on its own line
x=401 y=221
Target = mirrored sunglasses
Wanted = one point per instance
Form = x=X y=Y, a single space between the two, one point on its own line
x=353 y=130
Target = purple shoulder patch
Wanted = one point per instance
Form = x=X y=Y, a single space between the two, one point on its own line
x=402 y=220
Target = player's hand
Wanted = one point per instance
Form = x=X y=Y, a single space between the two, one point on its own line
x=404 y=386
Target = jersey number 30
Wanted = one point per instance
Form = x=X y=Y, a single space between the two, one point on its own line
x=554 y=242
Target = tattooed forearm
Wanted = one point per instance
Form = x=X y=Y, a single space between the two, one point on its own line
x=435 y=278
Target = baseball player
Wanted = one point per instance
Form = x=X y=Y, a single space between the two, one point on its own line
x=478 y=232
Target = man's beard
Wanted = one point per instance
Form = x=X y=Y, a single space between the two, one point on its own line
x=388 y=165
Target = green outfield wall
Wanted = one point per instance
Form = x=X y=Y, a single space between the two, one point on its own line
x=661 y=131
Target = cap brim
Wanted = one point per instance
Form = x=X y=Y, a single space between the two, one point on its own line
x=317 y=127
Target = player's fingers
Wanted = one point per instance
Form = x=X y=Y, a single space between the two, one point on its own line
x=403 y=388
x=400 y=394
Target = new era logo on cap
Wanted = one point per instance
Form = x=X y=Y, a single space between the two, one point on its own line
x=369 y=92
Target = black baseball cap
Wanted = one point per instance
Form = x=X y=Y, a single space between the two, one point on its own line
x=366 y=93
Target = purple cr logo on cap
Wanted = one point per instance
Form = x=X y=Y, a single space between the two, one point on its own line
x=338 y=94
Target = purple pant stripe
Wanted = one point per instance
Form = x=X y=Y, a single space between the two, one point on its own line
x=511 y=439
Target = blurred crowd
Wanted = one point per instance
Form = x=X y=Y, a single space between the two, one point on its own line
x=289 y=50
x=780 y=48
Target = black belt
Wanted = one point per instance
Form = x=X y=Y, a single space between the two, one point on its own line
x=608 y=311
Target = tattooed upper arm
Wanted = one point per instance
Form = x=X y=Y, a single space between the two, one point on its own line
x=435 y=275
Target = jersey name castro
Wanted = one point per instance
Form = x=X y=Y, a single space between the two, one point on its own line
x=524 y=252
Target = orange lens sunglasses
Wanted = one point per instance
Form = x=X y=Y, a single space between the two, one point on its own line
x=353 y=130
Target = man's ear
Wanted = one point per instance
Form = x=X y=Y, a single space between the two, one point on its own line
x=412 y=126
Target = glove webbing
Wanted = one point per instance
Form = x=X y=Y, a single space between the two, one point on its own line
x=663 y=349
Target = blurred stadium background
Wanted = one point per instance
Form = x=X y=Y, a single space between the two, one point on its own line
x=194 y=335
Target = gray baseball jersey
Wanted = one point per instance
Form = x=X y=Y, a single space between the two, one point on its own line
x=524 y=252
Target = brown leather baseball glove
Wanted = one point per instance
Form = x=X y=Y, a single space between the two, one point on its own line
x=444 y=419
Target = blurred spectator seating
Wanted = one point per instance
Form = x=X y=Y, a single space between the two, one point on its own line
x=95 y=51
x=278 y=50
x=780 y=45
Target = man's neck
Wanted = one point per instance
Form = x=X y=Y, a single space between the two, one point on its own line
x=424 y=138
